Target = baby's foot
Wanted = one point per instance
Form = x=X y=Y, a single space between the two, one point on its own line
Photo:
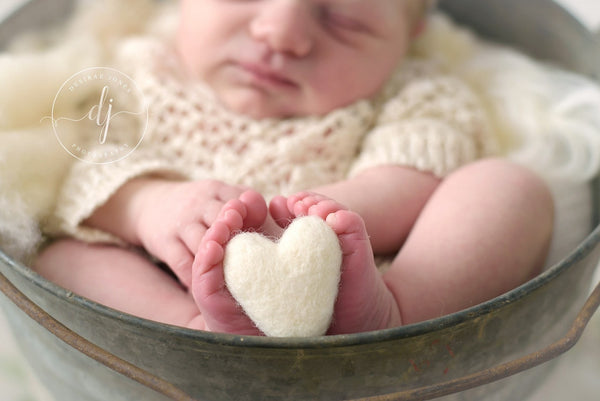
x=364 y=302
x=219 y=309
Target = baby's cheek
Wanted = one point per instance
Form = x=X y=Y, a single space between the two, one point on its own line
x=186 y=51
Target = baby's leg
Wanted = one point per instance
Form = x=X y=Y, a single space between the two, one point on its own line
x=364 y=302
x=120 y=279
x=485 y=231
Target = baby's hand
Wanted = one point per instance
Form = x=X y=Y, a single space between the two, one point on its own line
x=174 y=217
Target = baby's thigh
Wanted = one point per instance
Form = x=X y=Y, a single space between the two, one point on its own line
x=117 y=277
x=75 y=264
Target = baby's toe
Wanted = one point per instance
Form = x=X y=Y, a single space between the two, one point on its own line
x=299 y=204
x=209 y=256
x=346 y=222
x=324 y=208
x=221 y=232
x=312 y=204
x=280 y=212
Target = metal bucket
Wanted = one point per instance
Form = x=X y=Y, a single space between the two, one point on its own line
x=420 y=361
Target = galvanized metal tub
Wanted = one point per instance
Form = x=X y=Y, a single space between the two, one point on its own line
x=412 y=362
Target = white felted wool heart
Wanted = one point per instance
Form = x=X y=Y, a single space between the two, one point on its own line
x=288 y=288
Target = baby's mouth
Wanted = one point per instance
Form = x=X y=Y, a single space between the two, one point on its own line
x=265 y=76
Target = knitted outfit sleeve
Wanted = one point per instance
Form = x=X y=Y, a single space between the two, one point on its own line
x=89 y=186
x=434 y=123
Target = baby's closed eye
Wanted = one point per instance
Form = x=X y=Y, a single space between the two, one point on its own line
x=332 y=17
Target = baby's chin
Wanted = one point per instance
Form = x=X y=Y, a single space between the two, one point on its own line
x=256 y=111
x=257 y=105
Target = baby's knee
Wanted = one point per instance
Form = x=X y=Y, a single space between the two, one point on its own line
x=533 y=203
x=512 y=180
x=528 y=189
x=516 y=187
x=523 y=201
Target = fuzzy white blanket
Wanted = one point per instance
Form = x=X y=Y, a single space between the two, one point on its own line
x=547 y=117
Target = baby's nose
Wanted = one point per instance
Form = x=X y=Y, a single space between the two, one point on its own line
x=284 y=25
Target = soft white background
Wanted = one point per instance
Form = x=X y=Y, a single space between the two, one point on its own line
x=577 y=377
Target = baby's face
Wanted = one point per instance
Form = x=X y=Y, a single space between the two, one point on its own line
x=284 y=58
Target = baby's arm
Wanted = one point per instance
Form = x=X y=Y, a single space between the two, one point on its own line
x=169 y=218
x=389 y=198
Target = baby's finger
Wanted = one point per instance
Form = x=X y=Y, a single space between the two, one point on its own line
x=228 y=192
x=178 y=257
x=191 y=235
x=212 y=210
x=256 y=209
